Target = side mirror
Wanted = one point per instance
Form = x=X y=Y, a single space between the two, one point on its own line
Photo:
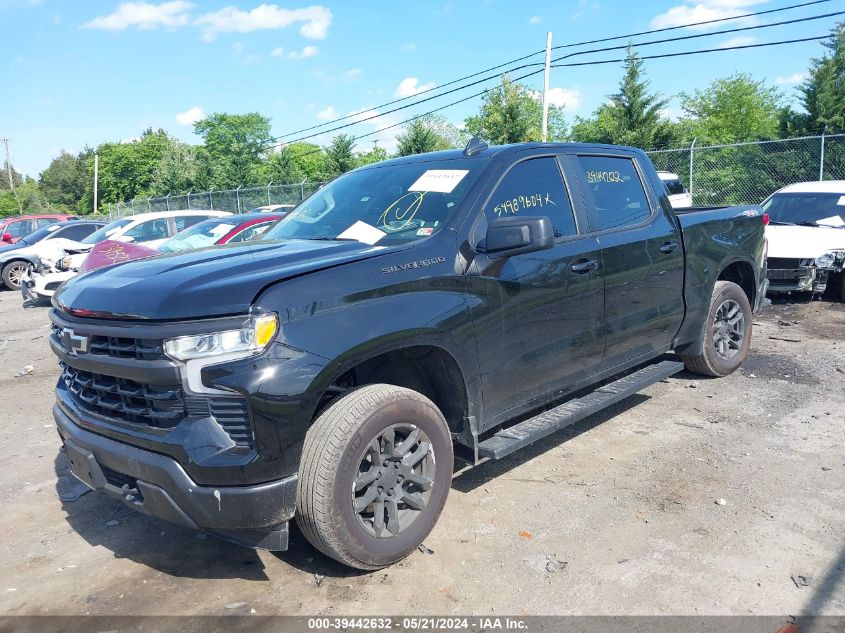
x=7 y=237
x=513 y=236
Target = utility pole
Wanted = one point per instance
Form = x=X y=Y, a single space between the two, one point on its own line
x=9 y=172
x=546 y=87
x=96 y=178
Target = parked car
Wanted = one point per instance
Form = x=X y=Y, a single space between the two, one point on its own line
x=144 y=229
x=14 y=228
x=678 y=194
x=282 y=209
x=15 y=260
x=806 y=235
x=324 y=372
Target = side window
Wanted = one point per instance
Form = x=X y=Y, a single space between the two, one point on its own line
x=534 y=188
x=616 y=189
x=184 y=221
x=42 y=222
x=253 y=232
x=148 y=231
x=19 y=228
x=76 y=233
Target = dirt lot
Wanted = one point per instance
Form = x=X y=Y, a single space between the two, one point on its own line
x=618 y=515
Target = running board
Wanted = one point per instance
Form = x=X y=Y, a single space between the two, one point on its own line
x=508 y=440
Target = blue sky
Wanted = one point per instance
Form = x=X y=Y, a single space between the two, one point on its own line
x=82 y=72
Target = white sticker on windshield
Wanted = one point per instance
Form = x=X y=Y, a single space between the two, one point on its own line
x=362 y=232
x=221 y=229
x=439 y=180
x=834 y=220
x=841 y=201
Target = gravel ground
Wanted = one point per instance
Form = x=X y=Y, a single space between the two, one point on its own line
x=695 y=497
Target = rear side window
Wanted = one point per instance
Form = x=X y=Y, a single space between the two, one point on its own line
x=76 y=232
x=184 y=221
x=42 y=222
x=616 y=189
x=534 y=188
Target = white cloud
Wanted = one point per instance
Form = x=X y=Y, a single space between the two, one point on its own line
x=702 y=11
x=353 y=72
x=411 y=86
x=583 y=7
x=410 y=46
x=327 y=114
x=535 y=19
x=143 y=15
x=190 y=116
x=277 y=52
x=568 y=98
x=789 y=80
x=316 y=20
x=738 y=41
x=305 y=53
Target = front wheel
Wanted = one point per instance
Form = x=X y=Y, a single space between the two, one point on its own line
x=375 y=473
x=13 y=272
x=727 y=332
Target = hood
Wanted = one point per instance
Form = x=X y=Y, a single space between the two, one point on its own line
x=210 y=282
x=56 y=248
x=803 y=242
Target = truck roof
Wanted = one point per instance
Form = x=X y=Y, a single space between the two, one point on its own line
x=824 y=186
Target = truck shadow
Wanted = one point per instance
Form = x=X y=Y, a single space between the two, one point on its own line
x=165 y=547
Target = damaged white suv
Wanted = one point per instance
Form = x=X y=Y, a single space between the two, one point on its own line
x=806 y=235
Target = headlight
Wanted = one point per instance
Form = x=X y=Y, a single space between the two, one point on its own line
x=65 y=263
x=251 y=339
x=826 y=260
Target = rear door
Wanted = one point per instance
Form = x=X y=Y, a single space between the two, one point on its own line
x=538 y=320
x=641 y=253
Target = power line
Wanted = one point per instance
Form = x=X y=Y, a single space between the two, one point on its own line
x=596 y=50
x=519 y=59
x=590 y=63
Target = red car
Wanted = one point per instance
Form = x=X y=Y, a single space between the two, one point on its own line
x=227 y=229
x=14 y=228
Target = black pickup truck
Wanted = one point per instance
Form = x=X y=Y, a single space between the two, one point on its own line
x=476 y=300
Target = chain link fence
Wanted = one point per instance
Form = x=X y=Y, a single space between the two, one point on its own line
x=746 y=173
x=238 y=200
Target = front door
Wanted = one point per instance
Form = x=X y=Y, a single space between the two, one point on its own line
x=538 y=316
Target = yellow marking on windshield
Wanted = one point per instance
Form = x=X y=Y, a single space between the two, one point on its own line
x=400 y=214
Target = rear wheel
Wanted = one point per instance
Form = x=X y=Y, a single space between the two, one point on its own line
x=727 y=332
x=375 y=473
x=12 y=273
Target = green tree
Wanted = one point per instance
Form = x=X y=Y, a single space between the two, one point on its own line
x=734 y=109
x=823 y=93
x=418 y=137
x=340 y=156
x=65 y=180
x=232 y=148
x=632 y=116
x=176 y=170
x=296 y=162
x=513 y=113
x=375 y=155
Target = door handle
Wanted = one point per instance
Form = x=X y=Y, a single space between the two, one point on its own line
x=668 y=247
x=584 y=266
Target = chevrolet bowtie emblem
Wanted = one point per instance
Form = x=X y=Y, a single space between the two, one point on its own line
x=74 y=343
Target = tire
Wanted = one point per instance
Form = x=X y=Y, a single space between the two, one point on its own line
x=351 y=440
x=12 y=273
x=713 y=362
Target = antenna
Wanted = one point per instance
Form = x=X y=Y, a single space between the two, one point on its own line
x=475 y=146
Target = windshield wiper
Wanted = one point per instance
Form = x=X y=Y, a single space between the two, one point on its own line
x=781 y=223
x=323 y=238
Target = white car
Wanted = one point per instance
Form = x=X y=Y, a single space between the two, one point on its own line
x=806 y=235
x=150 y=229
x=678 y=194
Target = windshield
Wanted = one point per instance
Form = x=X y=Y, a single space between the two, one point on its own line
x=106 y=232
x=202 y=234
x=388 y=205
x=40 y=234
x=814 y=209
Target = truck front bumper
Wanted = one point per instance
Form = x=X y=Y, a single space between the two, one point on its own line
x=254 y=516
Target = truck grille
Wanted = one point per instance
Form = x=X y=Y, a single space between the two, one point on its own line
x=118 y=347
x=161 y=407
x=778 y=263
